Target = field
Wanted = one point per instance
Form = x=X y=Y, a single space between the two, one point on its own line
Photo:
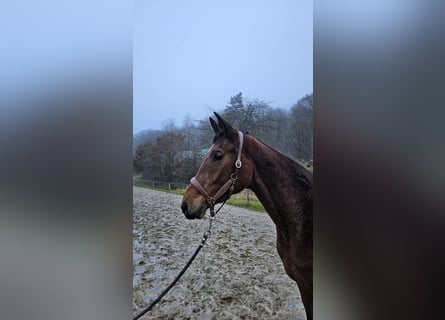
x=237 y=275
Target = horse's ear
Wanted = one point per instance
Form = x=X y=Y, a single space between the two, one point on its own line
x=228 y=130
x=215 y=126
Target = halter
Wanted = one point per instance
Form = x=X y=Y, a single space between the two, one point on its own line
x=229 y=185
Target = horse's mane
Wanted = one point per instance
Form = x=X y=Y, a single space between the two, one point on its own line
x=301 y=169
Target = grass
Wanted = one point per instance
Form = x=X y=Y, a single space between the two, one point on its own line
x=146 y=186
x=237 y=200
x=251 y=205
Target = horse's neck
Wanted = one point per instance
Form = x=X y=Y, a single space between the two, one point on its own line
x=275 y=182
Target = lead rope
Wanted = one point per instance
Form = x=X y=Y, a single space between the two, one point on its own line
x=204 y=238
x=211 y=201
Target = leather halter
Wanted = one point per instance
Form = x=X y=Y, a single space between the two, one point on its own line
x=229 y=185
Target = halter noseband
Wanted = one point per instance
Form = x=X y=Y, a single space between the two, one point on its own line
x=229 y=185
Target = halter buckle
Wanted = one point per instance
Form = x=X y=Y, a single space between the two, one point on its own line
x=238 y=164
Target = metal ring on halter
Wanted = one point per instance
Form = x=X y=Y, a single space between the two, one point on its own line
x=238 y=164
x=233 y=176
x=211 y=200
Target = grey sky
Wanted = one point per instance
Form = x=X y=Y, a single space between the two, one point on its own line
x=190 y=57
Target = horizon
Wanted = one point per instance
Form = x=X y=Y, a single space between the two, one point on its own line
x=164 y=122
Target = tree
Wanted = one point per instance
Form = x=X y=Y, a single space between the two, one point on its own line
x=167 y=147
x=145 y=136
x=234 y=111
x=166 y=160
x=169 y=125
x=248 y=116
x=140 y=157
x=300 y=136
x=173 y=154
x=277 y=129
x=186 y=166
x=191 y=133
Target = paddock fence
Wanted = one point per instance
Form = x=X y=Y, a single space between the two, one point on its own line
x=246 y=194
x=163 y=184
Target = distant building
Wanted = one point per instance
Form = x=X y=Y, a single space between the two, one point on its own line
x=187 y=154
x=203 y=152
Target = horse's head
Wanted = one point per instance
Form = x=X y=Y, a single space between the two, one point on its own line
x=225 y=170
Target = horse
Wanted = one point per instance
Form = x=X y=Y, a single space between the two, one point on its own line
x=237 y=161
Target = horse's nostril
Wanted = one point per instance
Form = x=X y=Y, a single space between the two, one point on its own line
x=184 y=207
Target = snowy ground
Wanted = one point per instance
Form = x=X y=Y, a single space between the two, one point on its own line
x=237 y=275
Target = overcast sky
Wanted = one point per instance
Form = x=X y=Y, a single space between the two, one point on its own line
x=190 y=57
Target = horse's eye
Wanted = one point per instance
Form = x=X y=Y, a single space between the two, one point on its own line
x=217 y=156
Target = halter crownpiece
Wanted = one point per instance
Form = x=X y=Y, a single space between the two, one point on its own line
x=230 y=184
x=238 y=162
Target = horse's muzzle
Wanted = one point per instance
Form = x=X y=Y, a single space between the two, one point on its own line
x=185 y=211
x=198 y=213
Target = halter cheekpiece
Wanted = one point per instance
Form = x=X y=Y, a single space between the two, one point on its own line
x=229 y=185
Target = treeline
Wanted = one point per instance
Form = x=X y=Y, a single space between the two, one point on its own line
x=174 y=153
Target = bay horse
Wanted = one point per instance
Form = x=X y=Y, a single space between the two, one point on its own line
x=237 y=161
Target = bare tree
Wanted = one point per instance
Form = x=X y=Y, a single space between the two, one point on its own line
x=250 y=116
x=145 y=136
x=277 y=128
x=176 y=153
x=169 y=125
x=300 y=132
